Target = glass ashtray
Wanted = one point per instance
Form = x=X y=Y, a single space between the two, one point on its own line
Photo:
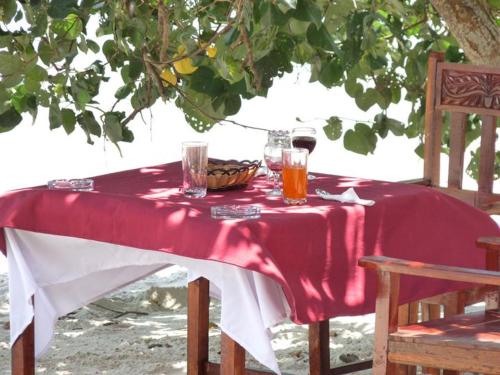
x=235 y=211
x=77 y=184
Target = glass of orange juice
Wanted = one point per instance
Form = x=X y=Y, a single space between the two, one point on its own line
x=295 y=175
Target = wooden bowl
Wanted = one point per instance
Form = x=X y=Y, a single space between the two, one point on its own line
x=230 y=174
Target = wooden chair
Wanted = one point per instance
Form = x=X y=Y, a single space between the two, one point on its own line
x=461 y=89
x=468 y=342
x=458 y=89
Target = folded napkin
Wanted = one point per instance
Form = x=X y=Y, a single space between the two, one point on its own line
x=348 y=196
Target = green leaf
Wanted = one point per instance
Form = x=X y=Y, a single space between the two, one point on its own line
x=204 y=81
x=419 y=150
x=55 y=118
x=68 y=28
x=396 y=127
x=4 y=100
x=380 y=125
x=366 y=100
x=112 y=127
x=86 y=119
x=333 y=128
x=123 y=92
x=37 y=73
x=10 y=64
x=331 y=74
x=361 y=140
x=9 y=120
x=89 y=125
x=93 y=46
x=341 y=8
x=321 y=38
x=47 y=53
x=232 y=105
x=194 y=117
x=127 y=134
x=298 y=27
x=68 y=119
x=8 y=9
x=82 y=98
x=307 y=10
x=59 y=9
x=135 y=69
x=353 y=88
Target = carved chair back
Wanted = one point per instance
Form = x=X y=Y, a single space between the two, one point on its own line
x=462 y=89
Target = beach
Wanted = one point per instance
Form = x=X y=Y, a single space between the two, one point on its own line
x=141 y=329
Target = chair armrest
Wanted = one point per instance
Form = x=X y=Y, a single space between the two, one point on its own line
x=489 y=243
x=405 y=267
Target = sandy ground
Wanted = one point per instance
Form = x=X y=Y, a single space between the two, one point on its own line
x=142 y=330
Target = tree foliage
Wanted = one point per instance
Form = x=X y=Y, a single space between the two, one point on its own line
x=208 y=55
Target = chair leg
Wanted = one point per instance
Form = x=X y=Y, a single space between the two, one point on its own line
x=232 y=357
x=453 y=306
x=430 y=312
x=319 y=348
x=23 y=352
x=197 y=346
x=386 y=321
x=407 y=314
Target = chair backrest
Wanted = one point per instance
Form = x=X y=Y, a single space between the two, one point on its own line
x=462 y=89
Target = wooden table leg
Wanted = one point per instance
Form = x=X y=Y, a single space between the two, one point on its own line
x=232 y=357
x=197 y=335
x=23 y=352
x=319 y=348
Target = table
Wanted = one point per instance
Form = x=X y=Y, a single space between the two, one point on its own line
x=307 y=253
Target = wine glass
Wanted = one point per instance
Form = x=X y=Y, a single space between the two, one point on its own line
x=305 y=137
x=277 y=140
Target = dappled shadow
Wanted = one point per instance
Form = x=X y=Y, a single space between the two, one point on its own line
x=310 y=250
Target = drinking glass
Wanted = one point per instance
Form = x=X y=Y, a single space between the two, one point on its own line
x=194 y=169
x=295 y=175
x=305 y=137
x=277 y=140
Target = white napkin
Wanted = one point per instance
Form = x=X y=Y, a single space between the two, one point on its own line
x=348 y=196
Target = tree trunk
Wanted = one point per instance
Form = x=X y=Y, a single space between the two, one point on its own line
x=472 y=24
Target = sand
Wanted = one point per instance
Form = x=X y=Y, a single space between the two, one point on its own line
x=141 y=329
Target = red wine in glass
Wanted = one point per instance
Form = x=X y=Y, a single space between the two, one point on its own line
x=305 y=137
x=304 y=141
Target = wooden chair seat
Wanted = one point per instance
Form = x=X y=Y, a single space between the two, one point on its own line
x=449 y=342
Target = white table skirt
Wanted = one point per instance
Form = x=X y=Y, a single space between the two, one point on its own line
x=65 y=273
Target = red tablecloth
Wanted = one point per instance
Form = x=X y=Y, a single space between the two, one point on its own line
x=311 y=250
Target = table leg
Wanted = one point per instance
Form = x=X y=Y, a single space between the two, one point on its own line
x=232 y=357
x=197 y=346
x=319 y=348
x=23 y=352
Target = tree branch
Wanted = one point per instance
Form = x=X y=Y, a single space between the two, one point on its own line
x=163 y=30
x=473 y=25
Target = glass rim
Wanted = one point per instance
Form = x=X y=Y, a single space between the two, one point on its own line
x=304 y=128
x=194 y=143
x=296 y=150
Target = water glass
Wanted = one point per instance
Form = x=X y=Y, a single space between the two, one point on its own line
x=194 y=169
x=277 y=140
x=295 y=175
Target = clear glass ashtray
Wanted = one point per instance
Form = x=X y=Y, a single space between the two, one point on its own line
x=83 y=184
x=234 y=211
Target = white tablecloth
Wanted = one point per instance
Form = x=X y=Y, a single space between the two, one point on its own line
x=65 y=273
